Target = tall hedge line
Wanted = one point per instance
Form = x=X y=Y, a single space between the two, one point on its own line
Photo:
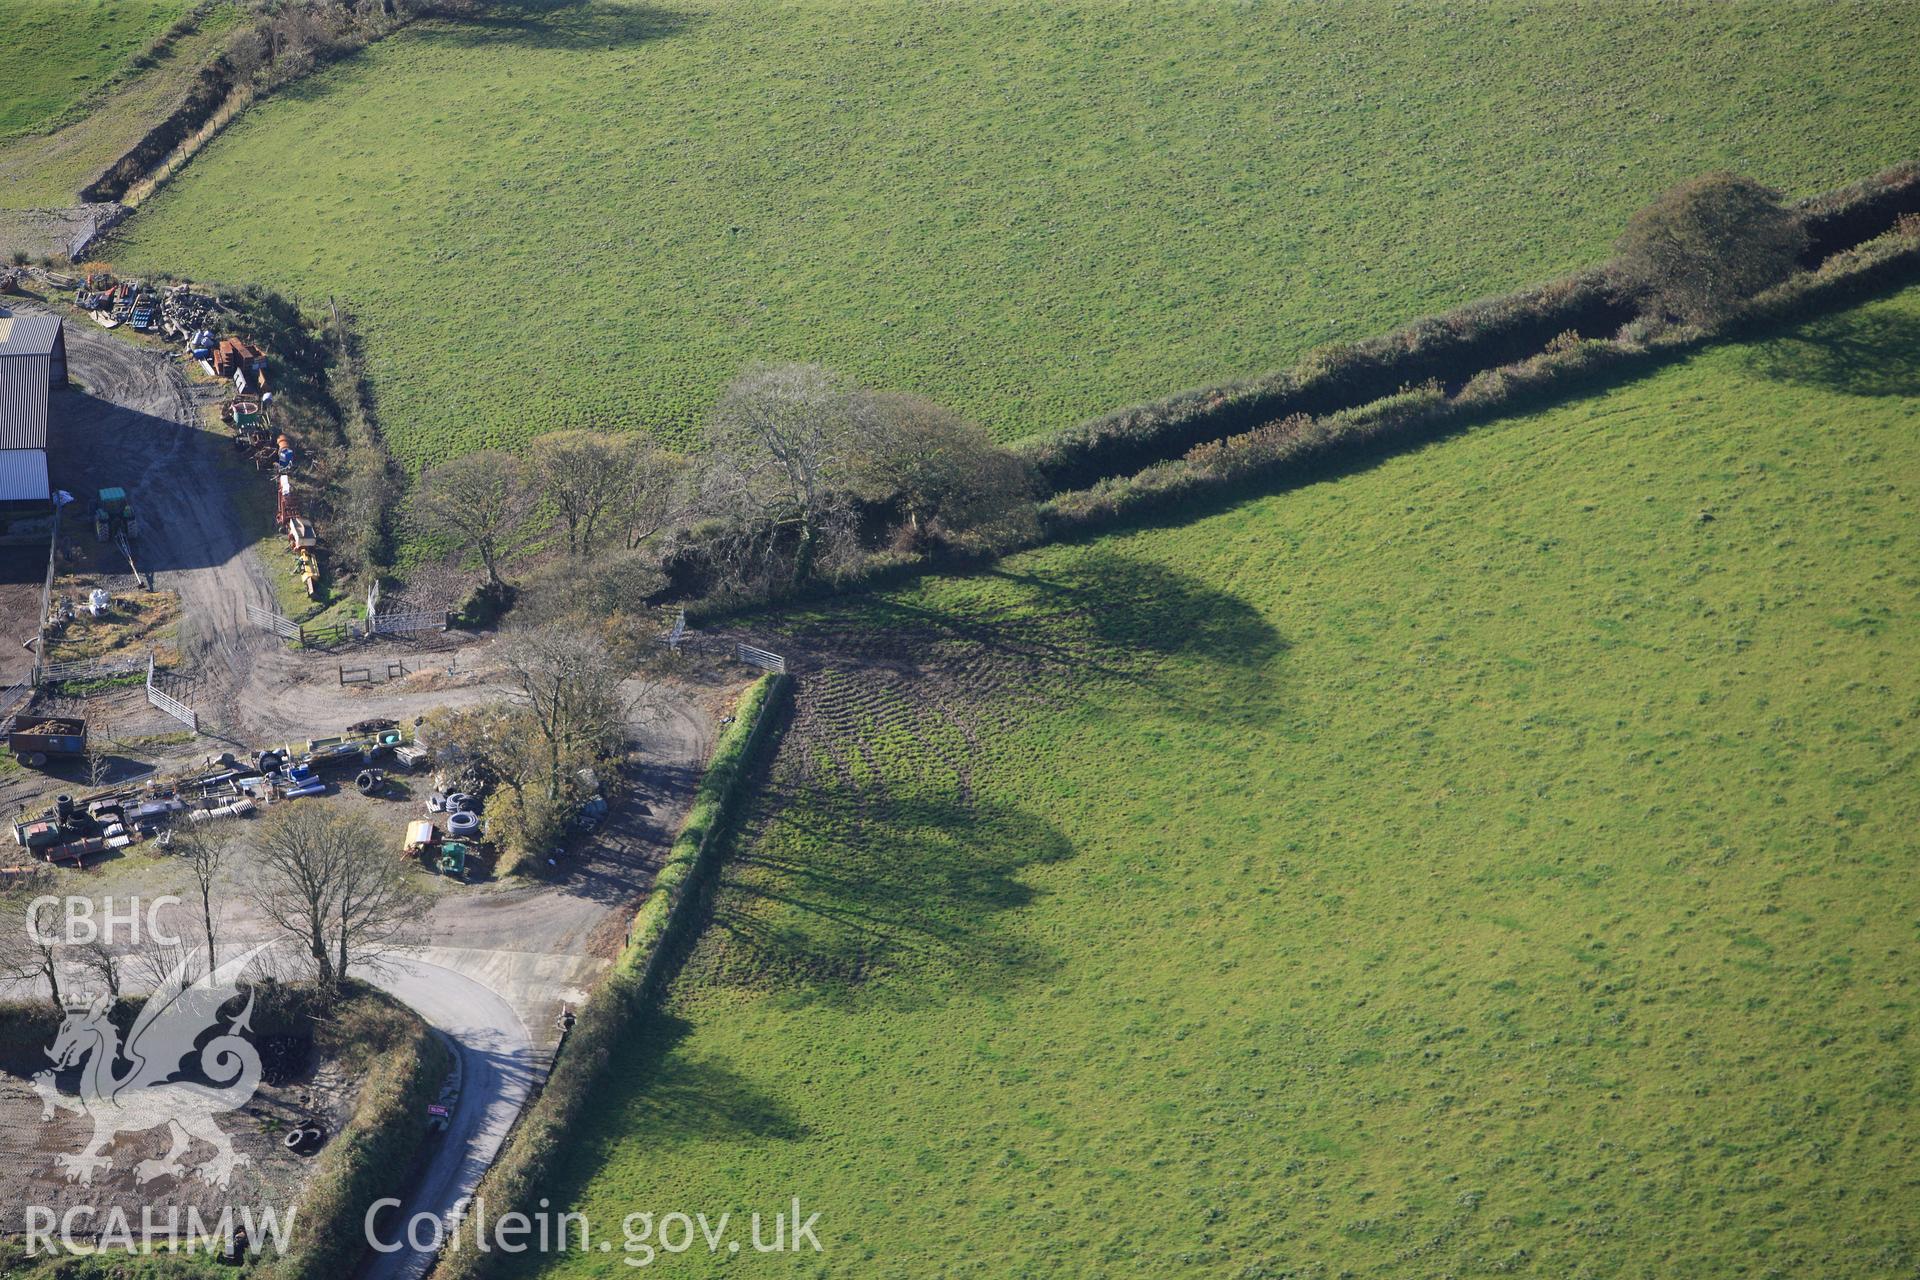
x=1491 y=331
x=1451 y=348
x=663 y=922
x=1291 y=446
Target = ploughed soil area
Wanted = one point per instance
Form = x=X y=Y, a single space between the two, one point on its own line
x=307 y=1080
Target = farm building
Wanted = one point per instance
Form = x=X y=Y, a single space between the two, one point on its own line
x=33 y=359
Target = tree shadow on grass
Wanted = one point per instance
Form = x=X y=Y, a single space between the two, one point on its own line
x=826 y=896
x=662 y=1097
x=1098 y=614
x=1858 y=353
x=582 y=25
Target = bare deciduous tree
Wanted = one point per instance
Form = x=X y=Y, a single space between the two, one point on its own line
x=154 y=961
x=653 y=492
x=949 y=480
x=780 y=441
x=205 y=850
x=98 y=762
x=102 y=964
x=27 y=953
x=1712 y=242
x=580 y=472
x=569 y=683
x=481 y=502
x=330 y=881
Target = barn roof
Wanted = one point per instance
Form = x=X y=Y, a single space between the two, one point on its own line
x=23 y=475
x=27 y=333
x=27 y=341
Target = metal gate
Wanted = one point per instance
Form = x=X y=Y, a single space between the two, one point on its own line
x=764 y=659
x=168 y=703
x=388 y=624
x=285 y=628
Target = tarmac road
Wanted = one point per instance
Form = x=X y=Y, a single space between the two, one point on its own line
x=497 y=1069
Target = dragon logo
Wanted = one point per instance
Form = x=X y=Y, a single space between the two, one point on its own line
x=147 y=1095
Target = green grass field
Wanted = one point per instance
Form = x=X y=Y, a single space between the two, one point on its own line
x=1034 y=212
x=53 y=53
x=45 y=170
x=1500 y=859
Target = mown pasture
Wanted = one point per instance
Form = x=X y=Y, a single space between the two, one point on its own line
x=54 y=53
x=1498 y=858
x=597 y=212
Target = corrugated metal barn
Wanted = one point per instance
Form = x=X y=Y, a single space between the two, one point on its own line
x=33 y=359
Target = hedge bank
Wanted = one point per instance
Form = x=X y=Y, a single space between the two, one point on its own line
x=402 y=1068
x=663 y=922
x=1292 y=447
x=1452 y=348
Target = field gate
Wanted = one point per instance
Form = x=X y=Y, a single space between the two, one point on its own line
x=168 y=703
x=755 y=656
x=390 y=624
x=285 y=628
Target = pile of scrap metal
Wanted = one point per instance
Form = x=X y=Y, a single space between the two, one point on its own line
x=187 y=315
x=112 y=302
x=253 y=433
x=72 y=832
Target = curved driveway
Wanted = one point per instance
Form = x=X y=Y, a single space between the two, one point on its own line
x=497 y=1070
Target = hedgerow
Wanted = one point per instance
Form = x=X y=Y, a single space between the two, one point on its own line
x=1451 y=347
x=1851 y=215
x=1488 y=332
x=1232 y=466
x=611 y=1013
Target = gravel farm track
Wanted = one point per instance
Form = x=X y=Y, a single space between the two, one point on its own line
x=496 y=964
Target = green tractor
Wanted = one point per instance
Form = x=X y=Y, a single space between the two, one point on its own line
x=113 y=516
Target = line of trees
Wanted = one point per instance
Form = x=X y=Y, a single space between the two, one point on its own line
x=801 y=475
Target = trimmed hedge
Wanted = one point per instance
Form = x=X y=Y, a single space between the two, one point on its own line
x=663 y=922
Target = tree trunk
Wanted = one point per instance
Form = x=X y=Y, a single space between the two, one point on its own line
x=206 y=915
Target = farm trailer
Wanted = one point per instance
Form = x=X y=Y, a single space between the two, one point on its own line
x=32 y=741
